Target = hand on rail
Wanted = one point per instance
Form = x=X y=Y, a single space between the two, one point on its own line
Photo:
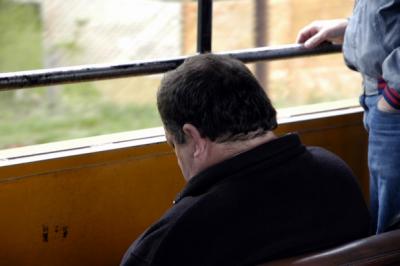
x=321 y=31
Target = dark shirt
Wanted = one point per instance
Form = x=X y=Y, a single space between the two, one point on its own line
x=277 y=200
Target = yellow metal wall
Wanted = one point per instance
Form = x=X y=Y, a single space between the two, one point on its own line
x=87 y=209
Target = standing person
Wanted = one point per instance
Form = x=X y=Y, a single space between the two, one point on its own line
x=371 y=46
x=251 y=196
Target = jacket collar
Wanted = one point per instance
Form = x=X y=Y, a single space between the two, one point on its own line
x=269 y=154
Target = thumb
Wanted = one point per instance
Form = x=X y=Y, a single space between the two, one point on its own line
x=316 y=40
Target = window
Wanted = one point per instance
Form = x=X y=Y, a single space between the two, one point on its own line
x=38 y=34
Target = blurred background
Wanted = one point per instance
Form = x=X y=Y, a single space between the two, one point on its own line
x=37 y=34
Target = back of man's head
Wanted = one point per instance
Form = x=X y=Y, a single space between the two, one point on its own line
x=219 y=96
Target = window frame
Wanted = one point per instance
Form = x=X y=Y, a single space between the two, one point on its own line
x=62 y=75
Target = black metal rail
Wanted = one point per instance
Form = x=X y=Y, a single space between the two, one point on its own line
x=53 y=76
x=204 y=26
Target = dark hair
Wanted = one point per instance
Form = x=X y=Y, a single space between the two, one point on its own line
x=219 y=96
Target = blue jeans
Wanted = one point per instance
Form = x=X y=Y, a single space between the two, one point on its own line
x=383 y=161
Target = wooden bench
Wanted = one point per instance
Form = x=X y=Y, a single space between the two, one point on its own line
x=382 y=249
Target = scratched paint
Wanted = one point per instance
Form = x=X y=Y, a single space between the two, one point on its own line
x=55 y=232
x=65 y=231
x=45 y=233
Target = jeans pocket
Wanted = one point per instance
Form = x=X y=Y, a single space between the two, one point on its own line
x=361 y=99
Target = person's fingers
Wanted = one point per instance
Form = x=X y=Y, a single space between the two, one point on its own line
x=306 y=33
x=320 y=31
x=302 y=37
x=316 y=40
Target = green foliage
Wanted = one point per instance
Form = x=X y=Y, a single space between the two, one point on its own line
x=81 y=112
x=20 y=36
x=30 y=116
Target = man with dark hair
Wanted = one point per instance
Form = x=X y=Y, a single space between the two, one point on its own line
x=251 y=196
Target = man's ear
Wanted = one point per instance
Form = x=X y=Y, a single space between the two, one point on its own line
x=199 y=142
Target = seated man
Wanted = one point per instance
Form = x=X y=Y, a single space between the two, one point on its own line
x=251 y=196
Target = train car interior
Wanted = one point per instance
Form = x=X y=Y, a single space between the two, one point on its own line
x=84 y=200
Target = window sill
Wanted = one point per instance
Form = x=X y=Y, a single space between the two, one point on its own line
x=81 y=146
x=317 y=111
x=155 y=135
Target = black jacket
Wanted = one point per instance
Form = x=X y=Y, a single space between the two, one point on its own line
x=277 y=200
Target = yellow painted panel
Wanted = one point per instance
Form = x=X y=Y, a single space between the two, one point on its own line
x=86 y=209
x=84 y=213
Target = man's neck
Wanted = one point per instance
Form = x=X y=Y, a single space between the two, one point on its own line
x=233 y=148
x=218 y=152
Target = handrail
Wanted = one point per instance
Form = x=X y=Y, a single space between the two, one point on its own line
x=61 y=75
